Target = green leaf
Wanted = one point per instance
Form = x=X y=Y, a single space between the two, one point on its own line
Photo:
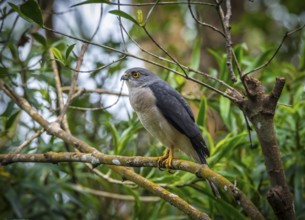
x=126 y=136
x=32 y=11
x=115 y=137
x=90 y=2
x=301 y=65
x=224 y=107
x=140 y=16
x=58 y=54
x=11 y=120
x=225 y=147
x=221 y=61
x=16 y=8
x=124 y=15
x=39 y=38
x=69 y=50
x=3 y=72
x=13 y=199
x=195 y=62
x=201 y=117
x=9 y=109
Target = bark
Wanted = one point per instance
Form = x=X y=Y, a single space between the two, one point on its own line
x=260 y=109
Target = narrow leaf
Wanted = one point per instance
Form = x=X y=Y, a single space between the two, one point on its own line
x=15 y=8
x=201 y=117
x=225 y=106
x=57 y=54
x=39 y=38
x=195 y=62
x=90 y=2
x=3 y=72
x=31 y=10
x=11 y=120
x=124 y=15
x=69 y=50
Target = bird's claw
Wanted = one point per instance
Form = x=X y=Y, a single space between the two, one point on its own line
x=166 y=160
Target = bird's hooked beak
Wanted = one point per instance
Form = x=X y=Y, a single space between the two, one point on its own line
x=125 y=76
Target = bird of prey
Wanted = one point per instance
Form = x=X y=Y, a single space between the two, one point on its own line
x=165 y=114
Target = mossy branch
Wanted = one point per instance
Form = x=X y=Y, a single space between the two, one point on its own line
x=96 y=158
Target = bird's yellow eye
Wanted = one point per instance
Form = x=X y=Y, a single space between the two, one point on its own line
x=135 y=74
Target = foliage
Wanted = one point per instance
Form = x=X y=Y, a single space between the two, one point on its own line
x=51 y=191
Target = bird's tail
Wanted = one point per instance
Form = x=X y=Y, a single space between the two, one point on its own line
x=201 y=155
x=214 y=189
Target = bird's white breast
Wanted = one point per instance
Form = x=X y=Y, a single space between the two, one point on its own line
x=141 y=99
x=143 y=102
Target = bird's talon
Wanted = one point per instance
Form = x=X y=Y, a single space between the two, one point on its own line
x=198 y=174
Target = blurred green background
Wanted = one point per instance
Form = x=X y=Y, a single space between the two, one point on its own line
x=72 y=191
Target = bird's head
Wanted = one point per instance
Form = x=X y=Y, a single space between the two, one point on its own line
x=138 y=77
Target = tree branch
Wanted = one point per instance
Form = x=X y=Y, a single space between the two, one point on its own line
x=97 y=158
x=203 y=23
x=103 y=194
x=233 y=99
x=28 y=141
x=225 y=21
x=74 y=82
x=276 y=51
x=98 y=91
x=260 y=110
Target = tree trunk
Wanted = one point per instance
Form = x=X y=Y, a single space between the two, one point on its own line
x=260 y=109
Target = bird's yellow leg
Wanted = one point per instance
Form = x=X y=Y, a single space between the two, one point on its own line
x=167 y=158
x=169 y=161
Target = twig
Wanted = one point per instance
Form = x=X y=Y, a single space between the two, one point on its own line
x=98 y=24
x=74 y=82
x=99 y=68
x=185 y=67
x=57 y=81
x=225 y=21
x=103 y=194
x=99 y=108
x=28 y=141
x=161 y=3
x=240 y=74
x=121 y=25
x=203 y=23
x=58 y=89
x=165 y=51
x=148 y=61
x=98 y=91
x=108 y=178
x=157 y=44
x=276 y=51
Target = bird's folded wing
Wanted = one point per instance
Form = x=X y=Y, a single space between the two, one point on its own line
x=179 y=114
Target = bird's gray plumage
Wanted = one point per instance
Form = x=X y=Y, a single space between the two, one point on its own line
x=165 y=113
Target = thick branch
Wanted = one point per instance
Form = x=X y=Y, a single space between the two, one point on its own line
x=260 y=110
x=98 y=158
